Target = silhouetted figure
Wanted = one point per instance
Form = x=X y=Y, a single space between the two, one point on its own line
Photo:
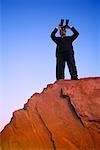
x=64 y=52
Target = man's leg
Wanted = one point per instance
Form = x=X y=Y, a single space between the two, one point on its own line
x=60 y=65
x=72 y=67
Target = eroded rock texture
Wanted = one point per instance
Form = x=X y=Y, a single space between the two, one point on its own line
x=65 y=116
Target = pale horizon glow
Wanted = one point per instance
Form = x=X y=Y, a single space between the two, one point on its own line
x=28 y=53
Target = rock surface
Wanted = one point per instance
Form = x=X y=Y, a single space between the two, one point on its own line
x=65 y=116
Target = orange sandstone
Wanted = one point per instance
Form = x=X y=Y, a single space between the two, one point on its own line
x=65 y=116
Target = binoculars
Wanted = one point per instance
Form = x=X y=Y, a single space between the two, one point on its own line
x=61 y=23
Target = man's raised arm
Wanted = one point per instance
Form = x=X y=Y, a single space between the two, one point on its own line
x=75 y=35
x=54 y=38
x=75 y=32
x=53 y=34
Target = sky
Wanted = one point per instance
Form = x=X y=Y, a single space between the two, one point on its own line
x=27 y=53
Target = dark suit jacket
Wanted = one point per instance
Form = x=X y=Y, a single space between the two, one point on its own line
x=64 y=44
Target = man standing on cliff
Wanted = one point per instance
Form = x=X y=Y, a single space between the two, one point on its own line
x=65 y=52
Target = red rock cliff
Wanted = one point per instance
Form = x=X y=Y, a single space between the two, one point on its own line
x=65 y=116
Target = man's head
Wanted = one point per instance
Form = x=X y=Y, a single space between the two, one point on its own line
x=63 y=32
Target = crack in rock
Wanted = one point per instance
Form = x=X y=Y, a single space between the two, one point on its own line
x=71 y=106
x=50 y=133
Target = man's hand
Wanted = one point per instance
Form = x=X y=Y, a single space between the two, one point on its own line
x=68 y=26
x=59 y=26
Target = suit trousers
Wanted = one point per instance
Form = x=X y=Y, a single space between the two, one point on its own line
x=61 y=59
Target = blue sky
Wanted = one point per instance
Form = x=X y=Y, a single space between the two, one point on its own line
x=27 y=54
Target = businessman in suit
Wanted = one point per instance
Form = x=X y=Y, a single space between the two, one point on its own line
x=65 y=52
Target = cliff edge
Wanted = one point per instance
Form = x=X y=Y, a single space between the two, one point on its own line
x=65 y=116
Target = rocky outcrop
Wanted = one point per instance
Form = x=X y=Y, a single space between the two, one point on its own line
x=65 y=116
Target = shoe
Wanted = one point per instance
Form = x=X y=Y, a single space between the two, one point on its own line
x=74 y=78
